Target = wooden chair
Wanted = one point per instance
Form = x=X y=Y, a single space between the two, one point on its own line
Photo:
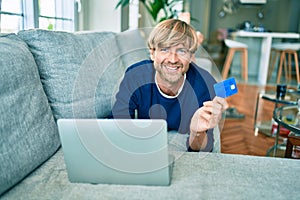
x=274 y=55
x=233 y=47
x=292 y=140
x=286 y=51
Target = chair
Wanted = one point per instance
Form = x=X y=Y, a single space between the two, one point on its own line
x=285 y=50
x=292 y=140
x=275 y=53
x=233 y=47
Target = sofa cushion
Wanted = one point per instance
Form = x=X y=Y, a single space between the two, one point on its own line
x=80 y=72
x=132 y=46
x=28 y=133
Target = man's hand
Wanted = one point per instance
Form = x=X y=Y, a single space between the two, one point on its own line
x=206 y=117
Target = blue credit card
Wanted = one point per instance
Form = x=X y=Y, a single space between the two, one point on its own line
x=226 y=88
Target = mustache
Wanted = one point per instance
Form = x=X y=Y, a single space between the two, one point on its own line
x=177 y=65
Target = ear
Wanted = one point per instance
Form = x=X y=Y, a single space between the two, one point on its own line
x=152 y=56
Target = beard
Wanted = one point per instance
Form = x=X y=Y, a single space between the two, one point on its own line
x=170 y=73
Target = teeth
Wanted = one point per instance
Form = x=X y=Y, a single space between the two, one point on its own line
x=171 y=68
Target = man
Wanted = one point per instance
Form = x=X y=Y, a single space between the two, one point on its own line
x=171 y=87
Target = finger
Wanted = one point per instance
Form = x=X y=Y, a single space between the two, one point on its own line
x=211 y=114
x=222 y=102
x=211 y=118
x=205 y=115
x=204 y=121
x=213 y=107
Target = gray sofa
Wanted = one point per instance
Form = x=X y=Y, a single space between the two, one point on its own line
x=47 y=75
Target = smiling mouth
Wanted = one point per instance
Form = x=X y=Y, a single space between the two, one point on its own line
x=172 y=68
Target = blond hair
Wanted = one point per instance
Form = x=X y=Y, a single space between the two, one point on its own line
x=172 y=32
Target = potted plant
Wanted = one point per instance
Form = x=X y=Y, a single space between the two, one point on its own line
x=158 y=9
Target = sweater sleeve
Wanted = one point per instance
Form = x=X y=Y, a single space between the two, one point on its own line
x=125 y=104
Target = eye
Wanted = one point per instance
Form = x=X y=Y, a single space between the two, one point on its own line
x=164 y=50
x=182 y=51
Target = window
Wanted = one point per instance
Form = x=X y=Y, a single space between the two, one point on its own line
x=11 y=15
x=16 y=15
x=134 y=14
x=56 y=14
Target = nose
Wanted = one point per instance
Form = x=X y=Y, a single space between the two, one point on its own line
x=172 y=57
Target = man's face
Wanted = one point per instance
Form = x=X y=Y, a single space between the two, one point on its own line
x=171 y=63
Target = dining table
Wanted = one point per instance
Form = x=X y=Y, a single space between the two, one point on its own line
x=195 y=176
x=265 y=48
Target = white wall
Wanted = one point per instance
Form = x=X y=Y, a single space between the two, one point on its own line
x=101 y=15
x=200 y=10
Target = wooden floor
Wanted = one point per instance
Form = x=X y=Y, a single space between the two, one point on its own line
x=238 y=135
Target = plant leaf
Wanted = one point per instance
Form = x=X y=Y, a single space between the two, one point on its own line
x=122 y=3
x=156 y=6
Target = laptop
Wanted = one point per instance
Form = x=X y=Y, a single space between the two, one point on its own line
x=116 y=151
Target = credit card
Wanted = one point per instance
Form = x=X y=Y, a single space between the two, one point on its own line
x=226 y=88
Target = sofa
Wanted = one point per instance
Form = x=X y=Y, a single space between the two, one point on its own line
x=48 y=75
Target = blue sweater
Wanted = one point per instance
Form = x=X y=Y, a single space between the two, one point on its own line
x=139 y=92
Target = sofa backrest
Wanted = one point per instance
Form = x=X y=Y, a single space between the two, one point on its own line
x=78 y=71
x=28 y=133
x=132 y=46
